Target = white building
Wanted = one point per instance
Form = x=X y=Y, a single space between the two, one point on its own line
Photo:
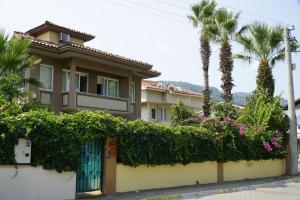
x=159 y=99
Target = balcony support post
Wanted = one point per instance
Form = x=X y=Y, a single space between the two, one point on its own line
x=72 y=93
x=129 y=94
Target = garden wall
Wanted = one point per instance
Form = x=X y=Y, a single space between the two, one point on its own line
x=253 y=169
x=34 y=183
x=162 y=176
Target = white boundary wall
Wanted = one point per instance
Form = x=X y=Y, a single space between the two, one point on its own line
x=34 y=183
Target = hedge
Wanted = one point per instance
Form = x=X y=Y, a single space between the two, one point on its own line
x=56 y=140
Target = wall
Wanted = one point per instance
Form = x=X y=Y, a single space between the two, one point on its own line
x=30 y=183
x=143 y=177
x=146 y=177
x=253 y=169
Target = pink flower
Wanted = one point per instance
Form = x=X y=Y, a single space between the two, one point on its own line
x=275 y=142
x=228 y=120
x=267 y=146
x=241 y=129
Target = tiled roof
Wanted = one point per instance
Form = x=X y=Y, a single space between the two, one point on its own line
x=54 y=27
x=62 y=46
x=156 y=85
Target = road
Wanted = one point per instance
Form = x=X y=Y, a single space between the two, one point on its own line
x=289 y=191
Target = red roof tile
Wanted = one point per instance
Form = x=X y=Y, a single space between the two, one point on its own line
x=49 y=26
x=156 y=85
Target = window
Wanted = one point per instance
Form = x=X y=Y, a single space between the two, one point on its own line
x=46 y=76
x=81 y=81
x=107 y=86
x=162 y=112
x=153 y=113
x=66 y=81
x=133 y=92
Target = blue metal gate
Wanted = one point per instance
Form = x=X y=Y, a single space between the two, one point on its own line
x=89 y=174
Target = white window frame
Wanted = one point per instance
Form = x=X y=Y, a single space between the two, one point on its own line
x=80 y=74
x=162 y=113
x=106 y=85
x=151 y=116
x=52 y=78
x=133 y=92
x=87 y=81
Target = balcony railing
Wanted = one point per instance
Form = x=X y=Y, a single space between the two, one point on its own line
x=95 y=101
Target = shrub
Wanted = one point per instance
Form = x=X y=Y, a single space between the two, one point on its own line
x=225 y=109
x=181 y=113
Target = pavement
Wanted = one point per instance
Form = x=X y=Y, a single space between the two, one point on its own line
x=279 y=188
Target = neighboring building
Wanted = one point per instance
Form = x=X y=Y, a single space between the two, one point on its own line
x=158 y=100
x=297 y=108
x=79 y=77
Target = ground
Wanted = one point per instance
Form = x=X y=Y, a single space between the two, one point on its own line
x=289 y=191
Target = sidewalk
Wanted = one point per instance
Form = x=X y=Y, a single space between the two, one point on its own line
x=194 y=192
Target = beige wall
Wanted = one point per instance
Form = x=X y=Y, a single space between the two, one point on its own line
x=54 y=37
x=162 y=176
x=153 y=96
x=49 y=36
x=144 y=177
x=253 y=169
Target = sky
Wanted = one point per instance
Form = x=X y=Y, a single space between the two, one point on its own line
x=158 y=32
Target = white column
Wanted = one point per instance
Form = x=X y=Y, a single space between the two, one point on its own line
x=72 y=93
x=129 y=94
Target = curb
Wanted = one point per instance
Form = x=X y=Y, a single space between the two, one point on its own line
x=193 y=195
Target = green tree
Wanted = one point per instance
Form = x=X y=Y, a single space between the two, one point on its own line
x=201 y=17
x=181 y=113
x=223 y=29
x=265 y=44
x=15 y=59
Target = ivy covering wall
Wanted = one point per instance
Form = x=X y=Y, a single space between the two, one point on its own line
x=56 y=140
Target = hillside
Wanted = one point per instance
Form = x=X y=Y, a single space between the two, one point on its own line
x=239 y=98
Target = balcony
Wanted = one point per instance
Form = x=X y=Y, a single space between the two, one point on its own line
x=94 y=101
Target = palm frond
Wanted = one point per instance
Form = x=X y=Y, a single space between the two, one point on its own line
x=33 y=81
x=279 y=57
x=243 y=57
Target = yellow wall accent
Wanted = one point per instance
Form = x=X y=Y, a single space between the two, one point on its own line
x=76 y=41
x=253 y=169
x=143 y=177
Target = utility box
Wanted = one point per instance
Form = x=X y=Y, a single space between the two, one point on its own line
x=23 y=151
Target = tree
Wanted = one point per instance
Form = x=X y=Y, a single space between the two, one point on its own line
x=180 y=113
x=15 y=59
x=223 y=29
x=201 y=17
x=265 y=44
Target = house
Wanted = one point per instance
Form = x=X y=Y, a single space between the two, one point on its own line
x=76 y=76
x=297 y=109
x=158 y=100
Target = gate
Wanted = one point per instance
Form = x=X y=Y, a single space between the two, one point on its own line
x=89 y=173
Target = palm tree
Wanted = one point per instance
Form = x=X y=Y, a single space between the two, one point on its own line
x=15 y=58
x=201 y=16
x=223 y=29
x=265 y=44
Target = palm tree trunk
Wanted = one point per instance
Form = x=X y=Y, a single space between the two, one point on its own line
x=226 y=67
x=264 y=79
x=205 y=50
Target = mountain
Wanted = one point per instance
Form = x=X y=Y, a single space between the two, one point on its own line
x=239 y=98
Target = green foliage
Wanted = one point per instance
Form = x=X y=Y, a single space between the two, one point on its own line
x=56 y=139
x=181 y=113
x=10 y=87
x=264 y=112
x=223 y=110
x=155 y=144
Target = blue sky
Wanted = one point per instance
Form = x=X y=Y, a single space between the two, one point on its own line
x=171 y=46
